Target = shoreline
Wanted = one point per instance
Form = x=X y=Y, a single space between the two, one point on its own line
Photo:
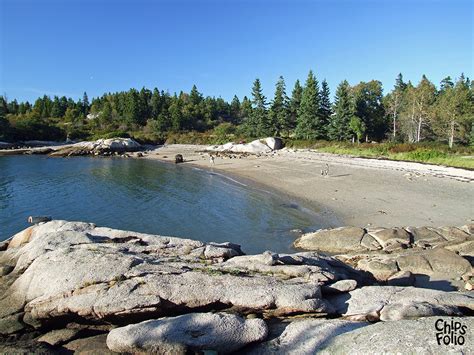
x=355 y=192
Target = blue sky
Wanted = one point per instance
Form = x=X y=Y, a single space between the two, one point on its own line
x=67 y=47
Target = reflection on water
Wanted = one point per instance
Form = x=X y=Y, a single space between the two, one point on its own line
x=145 y=196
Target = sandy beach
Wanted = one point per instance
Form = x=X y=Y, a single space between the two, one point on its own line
x=359 y=192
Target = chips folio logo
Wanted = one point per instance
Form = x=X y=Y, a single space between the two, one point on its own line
x=451 y=332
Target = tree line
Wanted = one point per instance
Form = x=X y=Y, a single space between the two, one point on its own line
x=408 y=113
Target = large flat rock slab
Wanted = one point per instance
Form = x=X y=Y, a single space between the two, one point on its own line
x=337 y=240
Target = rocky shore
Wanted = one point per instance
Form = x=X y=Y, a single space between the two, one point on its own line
x=73 y=286
x=104 y=147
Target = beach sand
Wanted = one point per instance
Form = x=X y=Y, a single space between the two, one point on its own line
x=359 y=192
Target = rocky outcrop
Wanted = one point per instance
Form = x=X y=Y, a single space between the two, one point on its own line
x=98 y=147
x=220 y=332
x=424 y=257
x=102 y=274
x=66 y=285
x=258 y=146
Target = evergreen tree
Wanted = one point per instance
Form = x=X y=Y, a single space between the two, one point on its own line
x=399 y=83
x=13 y=107
x=246 y=109
x=195 y=96
x=279 y=114
x=105 y=116
x=235 y=110
x=257 y=123
x=295 y=103
x=446 y=83
x=4 y=124
x=325 y=110
x=145 y=104
x=85 y=104
x=156 y=103
x=56 y=108
x=309 y=124
x=175 y=114
x=343 y=112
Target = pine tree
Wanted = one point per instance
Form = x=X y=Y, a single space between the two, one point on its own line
x=56 y=108
x=246 y=109
x=399 y=83
x=325 y=110
x=155 y=103
x=257 y=123
x=295 y=103
x=309 y=124
x=343 y=112
x=195 y=96
x=85 y=104
x=176 y=115
x=278 y=116
x=446 y=83
x=235 y=110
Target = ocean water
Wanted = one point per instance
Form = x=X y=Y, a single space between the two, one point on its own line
x=147 y=196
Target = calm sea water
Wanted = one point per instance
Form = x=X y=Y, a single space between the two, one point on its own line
x=146 y=196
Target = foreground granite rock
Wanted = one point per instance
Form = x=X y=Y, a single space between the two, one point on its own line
x=219 y=332
x=71 y=269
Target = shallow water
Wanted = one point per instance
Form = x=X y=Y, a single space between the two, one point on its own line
x=146 y=196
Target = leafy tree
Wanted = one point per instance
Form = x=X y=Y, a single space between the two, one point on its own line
x=454 y=112
x=309 y=123
x=343 y=112
x=357 y=126
x=105 y=116
x=418 y=110
x=369 y=107
x=71 y=115
x=394 y=102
